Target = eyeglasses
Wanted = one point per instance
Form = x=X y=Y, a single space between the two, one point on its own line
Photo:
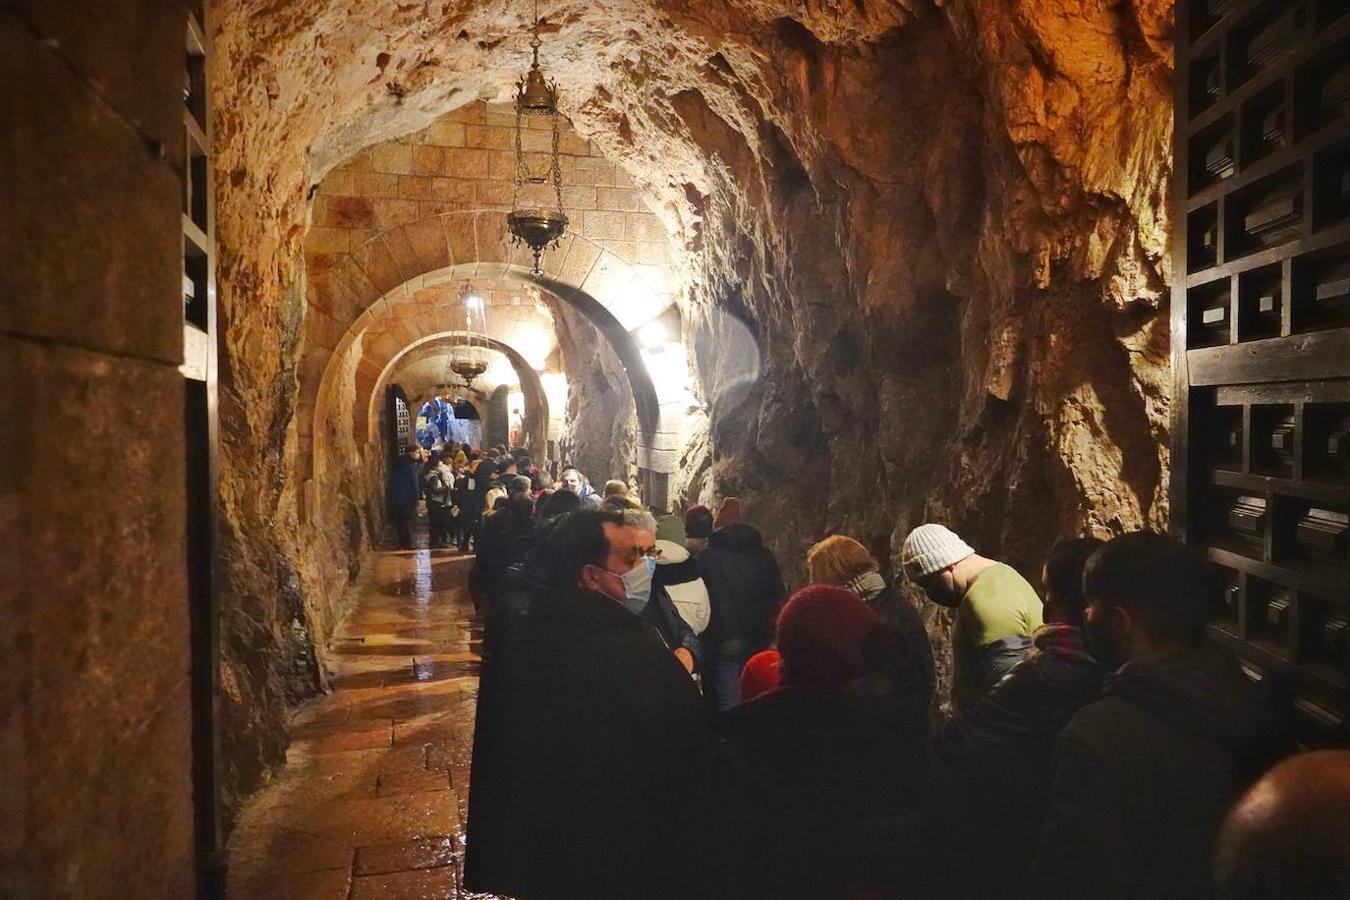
x=648 y=552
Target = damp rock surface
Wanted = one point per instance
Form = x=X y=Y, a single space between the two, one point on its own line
x=941 y=230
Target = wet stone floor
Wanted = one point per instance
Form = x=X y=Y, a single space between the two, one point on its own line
x=373 y=798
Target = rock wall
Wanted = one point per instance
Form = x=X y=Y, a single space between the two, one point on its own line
x=959 y=300
x=599 y=434
x=942 y=228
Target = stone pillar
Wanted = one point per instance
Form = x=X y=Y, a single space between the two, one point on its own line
x=95 y=786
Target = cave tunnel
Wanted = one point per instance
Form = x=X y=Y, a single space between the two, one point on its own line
x=1028 y=269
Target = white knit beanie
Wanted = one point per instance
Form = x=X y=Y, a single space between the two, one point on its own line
x=931 y=548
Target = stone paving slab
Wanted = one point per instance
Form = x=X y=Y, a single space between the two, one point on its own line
x=418 y=884
x=372 y=800
x=403 y=856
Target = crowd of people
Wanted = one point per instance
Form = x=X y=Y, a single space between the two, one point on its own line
x=463 y=486
x=657 y=716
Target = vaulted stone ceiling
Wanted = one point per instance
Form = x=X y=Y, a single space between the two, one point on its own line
x=943 y=226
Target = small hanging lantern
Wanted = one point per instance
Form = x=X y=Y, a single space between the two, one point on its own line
x=536 y=226
x=471 y=363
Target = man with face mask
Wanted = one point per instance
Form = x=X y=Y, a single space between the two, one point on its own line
x=643 y=597
x=1143 y=775
x=997 y=611
x=594 y=779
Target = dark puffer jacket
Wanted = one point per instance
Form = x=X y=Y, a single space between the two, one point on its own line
x=745 y=589
x=916 y=655
x=994 y=766
x=1143 y=776
x=821 y=792
x=502 y=540
x=404 y=486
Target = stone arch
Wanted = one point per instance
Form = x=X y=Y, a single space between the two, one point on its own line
x=536 y=400
x=350 y=293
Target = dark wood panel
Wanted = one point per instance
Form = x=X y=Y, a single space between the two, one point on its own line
x=1266 y=166
x=202 y=436
x=1321 y=241
x=1331 y=492
x=1329 y=391
x=1299 y=357
x=1323 y=584
x=1313 y=676
x=1311 y=47
x=1261 y=335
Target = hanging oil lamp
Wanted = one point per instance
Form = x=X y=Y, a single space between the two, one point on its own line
x=537 y=226
x=472 y=364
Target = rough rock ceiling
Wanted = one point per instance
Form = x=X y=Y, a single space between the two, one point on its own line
x=944 y=225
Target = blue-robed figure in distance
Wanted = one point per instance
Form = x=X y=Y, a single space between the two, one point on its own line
x=438 y=414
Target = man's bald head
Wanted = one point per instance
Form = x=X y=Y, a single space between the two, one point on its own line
x=1289 y=835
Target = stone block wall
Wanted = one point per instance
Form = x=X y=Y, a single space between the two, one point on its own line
x=95 y=787
x=390 y=220
x=465 y=161
x=412 y=206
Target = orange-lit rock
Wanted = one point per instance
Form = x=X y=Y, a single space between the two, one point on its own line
x=945 y=227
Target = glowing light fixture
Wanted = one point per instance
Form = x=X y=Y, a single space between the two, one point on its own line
x=653 y=334
x=468 y=361
x=539 y=225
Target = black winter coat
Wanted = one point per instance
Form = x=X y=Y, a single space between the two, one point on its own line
x=916 y=650
x=994 y=762
x=745 y=589
x=489 y=864
x=1143 y=776
x=660 y=611
x=500 y=542
x=591 y=765
x=404 y=487
x=822 y=792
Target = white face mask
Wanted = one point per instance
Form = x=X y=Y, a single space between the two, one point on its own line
x=637 y=585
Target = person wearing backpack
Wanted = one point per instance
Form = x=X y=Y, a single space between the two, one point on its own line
x=437 y=485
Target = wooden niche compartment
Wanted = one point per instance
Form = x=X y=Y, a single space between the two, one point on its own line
x=1322 y=90
x=1205 y=14
x=1265 y=124
x=1202 y=238
x=1331 y=191
x=1236 y=521
x=1321 y=290
x=1269 y=614
x=1266 y=213
x=1209 y=314
x=1260 y=303
x=1327 y=442
x=1324 y=638
x=196 y=283
x=1261 y=42
x=1228 y=619
x=1211 y=154
x=1313 y=536
x=1206 y=81
x=1273 y=442
x=1219 y=439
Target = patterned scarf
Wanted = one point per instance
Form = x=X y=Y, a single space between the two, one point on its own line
x=867 y=585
